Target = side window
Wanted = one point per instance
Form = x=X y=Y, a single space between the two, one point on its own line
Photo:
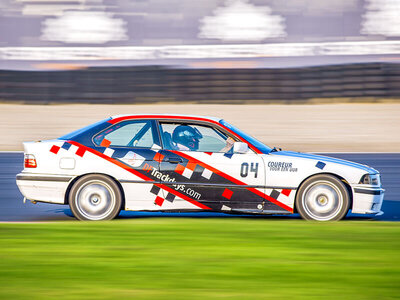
x=140 y=134
x=194 y=137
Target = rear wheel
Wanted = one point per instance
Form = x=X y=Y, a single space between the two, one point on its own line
x=323 y=198
x=95 y=197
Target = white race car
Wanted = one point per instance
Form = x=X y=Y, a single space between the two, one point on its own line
x=190 y=163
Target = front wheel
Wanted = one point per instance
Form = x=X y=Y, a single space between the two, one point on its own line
x=323 y=198
x=95 y=197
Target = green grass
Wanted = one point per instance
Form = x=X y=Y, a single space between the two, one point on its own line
x=183 y=258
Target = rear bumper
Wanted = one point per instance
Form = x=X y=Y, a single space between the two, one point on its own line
x=367 y=200
x=43 y=187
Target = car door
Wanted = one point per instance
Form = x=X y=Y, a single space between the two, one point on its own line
x=135 y=145
x=206 y=173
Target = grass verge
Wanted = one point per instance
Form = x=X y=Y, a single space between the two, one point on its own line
x=187 y=258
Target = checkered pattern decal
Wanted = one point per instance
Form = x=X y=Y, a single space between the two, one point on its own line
x=80 y=151
x=227 y=194
x=281 y=195
x=55 y=149
x=66 y=146
x=189 y=169
x=186 y=171
x=109 y=152
x=159 y=200
x=113 y=153
x=320 y=165
x=277 y=193
x=227 y=155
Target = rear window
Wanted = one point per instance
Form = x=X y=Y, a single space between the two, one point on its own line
x=140 y=134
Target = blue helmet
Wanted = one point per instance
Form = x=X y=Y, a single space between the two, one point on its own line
x=187 y=136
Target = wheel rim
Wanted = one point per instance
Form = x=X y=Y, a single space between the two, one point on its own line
x=95 y=200
x=322 y=200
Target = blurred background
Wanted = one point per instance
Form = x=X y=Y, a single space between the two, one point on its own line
x=225 y=51
x=157 y=54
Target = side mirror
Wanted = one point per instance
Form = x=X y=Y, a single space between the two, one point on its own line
x=239 y=147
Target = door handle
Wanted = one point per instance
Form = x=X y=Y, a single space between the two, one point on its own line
x=174 y=160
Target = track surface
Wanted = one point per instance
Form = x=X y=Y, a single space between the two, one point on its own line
x=13 y=209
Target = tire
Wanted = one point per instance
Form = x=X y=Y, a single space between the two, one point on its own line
x=95 y=198
x=323 y=198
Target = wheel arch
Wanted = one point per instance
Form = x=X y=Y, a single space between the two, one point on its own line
x=71 y=184
x=345 y=182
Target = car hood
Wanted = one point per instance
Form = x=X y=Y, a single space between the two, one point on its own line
x=326 y=159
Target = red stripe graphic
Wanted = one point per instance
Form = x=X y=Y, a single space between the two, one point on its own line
x=234 y=180
x=80 y=152
x=140 y=175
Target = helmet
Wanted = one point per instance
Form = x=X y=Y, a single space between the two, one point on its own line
x=187 y=136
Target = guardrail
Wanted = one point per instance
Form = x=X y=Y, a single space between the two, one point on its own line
x=157 y=84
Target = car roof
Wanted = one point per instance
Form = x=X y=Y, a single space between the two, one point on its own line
x=167 y=115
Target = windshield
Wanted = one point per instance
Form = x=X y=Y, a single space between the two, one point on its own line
x=262 y=147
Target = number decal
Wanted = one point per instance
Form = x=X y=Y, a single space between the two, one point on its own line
x=254 y=168
x=244 y=169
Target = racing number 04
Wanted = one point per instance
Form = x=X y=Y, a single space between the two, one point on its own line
x=244 y=169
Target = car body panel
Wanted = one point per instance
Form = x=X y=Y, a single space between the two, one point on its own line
x=216 y=179
x=156 y=179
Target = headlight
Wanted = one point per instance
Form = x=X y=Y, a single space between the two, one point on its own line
x=371 y=179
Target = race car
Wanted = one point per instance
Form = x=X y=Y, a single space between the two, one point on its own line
x=190 y=163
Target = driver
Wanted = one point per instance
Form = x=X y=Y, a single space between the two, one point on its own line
x=186 y=137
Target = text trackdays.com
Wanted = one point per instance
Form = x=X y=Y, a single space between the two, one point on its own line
x=166 y=178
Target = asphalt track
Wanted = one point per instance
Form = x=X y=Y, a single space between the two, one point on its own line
x=13 y=209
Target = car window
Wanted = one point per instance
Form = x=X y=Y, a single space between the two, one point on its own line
x=128 y=134
x=194 y=137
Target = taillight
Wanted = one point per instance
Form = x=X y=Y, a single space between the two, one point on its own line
x=30 y=161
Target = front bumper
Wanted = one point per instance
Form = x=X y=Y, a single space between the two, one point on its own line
x=367 y=200
x=43 y=187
